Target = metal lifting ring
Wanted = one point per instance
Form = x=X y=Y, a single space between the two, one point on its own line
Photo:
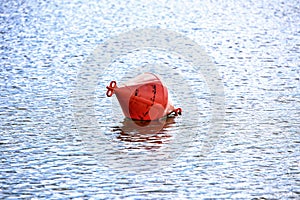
x=111 y=88
x=177 y=111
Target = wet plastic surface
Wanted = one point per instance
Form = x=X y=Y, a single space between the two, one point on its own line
x=143 y=98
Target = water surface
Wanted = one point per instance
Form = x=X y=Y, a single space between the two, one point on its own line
x=255 y=47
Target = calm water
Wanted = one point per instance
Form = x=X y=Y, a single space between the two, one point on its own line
x=46 y=153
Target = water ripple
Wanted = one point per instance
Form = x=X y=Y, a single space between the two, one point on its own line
x=255 y=46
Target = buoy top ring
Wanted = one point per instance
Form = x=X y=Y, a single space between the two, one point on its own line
x=111 y=88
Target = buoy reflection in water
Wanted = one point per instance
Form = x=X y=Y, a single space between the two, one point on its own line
x=149 y=134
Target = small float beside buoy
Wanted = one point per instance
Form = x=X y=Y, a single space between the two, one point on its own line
x=143 y=98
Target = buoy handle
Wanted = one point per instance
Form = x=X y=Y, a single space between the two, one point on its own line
x=111 y=88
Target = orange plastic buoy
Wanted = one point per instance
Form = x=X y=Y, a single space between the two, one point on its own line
x=143 y=98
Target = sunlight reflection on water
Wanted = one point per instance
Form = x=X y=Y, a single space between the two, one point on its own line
x=255 y=46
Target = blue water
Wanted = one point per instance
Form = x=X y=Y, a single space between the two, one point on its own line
x=45 y=155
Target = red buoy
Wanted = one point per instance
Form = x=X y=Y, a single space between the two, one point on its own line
x=144 y=97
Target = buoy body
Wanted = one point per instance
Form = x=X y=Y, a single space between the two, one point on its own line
x=144 y=97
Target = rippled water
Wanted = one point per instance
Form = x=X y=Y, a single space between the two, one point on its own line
x=44 y=154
